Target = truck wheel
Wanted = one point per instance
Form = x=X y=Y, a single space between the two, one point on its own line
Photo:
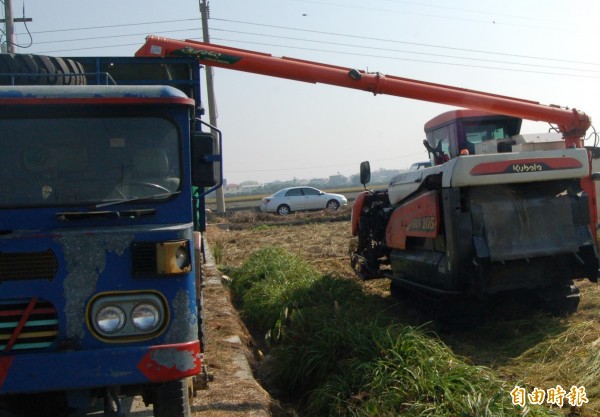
x=332 y=205
x=172 y=399
x=27 y=69
x=283 y=210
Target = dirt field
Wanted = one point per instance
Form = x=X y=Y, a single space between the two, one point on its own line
x=507 y=343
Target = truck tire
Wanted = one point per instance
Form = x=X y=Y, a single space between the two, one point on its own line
x=27 y=69
x=172 y=399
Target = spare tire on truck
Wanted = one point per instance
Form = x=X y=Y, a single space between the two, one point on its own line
x=27 y=69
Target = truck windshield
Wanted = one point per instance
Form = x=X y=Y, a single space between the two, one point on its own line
x=72 y=161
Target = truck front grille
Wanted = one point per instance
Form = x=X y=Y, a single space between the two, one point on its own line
x=28 y=266
x=27 y=324
x=143 y=258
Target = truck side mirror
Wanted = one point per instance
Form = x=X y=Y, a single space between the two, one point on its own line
x=365 y=172
x=205 y=160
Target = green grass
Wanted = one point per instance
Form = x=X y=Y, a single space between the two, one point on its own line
x=339 y=353
x=217 y=251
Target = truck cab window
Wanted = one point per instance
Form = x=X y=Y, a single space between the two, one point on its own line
x=88 y=160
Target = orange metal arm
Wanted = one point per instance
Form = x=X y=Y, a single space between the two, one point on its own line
x=572 y=123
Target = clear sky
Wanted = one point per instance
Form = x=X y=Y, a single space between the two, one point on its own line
x=542 y=50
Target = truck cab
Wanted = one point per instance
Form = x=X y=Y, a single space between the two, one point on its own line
x=99 y=244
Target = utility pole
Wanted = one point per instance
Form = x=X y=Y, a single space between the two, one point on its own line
x=10 y=27
x=210 y=94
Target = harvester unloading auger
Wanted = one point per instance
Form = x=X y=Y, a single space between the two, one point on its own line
x=496 y=212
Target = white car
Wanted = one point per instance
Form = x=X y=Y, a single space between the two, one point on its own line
x=291 y=199
x=419 y=165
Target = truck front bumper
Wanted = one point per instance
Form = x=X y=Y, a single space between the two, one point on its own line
x=119 y=366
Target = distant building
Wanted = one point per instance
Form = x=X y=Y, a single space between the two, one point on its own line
x=337 y=180
x=232 y=189
x=246 y=187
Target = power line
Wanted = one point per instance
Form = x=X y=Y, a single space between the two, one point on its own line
x=311 y=31
x=401 y=51
x=116 y=36
x=116 y=26
x=336 y=52
x=410 y=60
x=437 y=6
x=406 y=42
x=287 y=28
x=378 y=9
x=332 y=43
x=354 y=164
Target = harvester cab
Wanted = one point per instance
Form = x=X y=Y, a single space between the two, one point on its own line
x=469 y=132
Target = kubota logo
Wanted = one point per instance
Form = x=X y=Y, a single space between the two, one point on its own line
x=527 y=168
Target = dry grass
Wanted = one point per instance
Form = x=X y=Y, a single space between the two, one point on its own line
x=570 y=357
x=323 y=245
x=536 y=351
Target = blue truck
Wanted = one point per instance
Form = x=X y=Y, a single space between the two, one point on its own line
x=104 y=166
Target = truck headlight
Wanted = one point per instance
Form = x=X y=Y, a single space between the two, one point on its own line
x=127 y=316
x=145 y=317
x=110 y=319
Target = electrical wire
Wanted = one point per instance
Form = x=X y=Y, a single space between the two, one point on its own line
x=405 y=42
x=325 y=166
x=287 y=46
x=304 y=30
x=331 y=43
x=26 y=28
x=28 y=32
x=407 y=59
x=117 y=26
x=400 y=50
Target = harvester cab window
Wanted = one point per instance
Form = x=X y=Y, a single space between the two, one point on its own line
x=478 y=132
x=441 y=147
